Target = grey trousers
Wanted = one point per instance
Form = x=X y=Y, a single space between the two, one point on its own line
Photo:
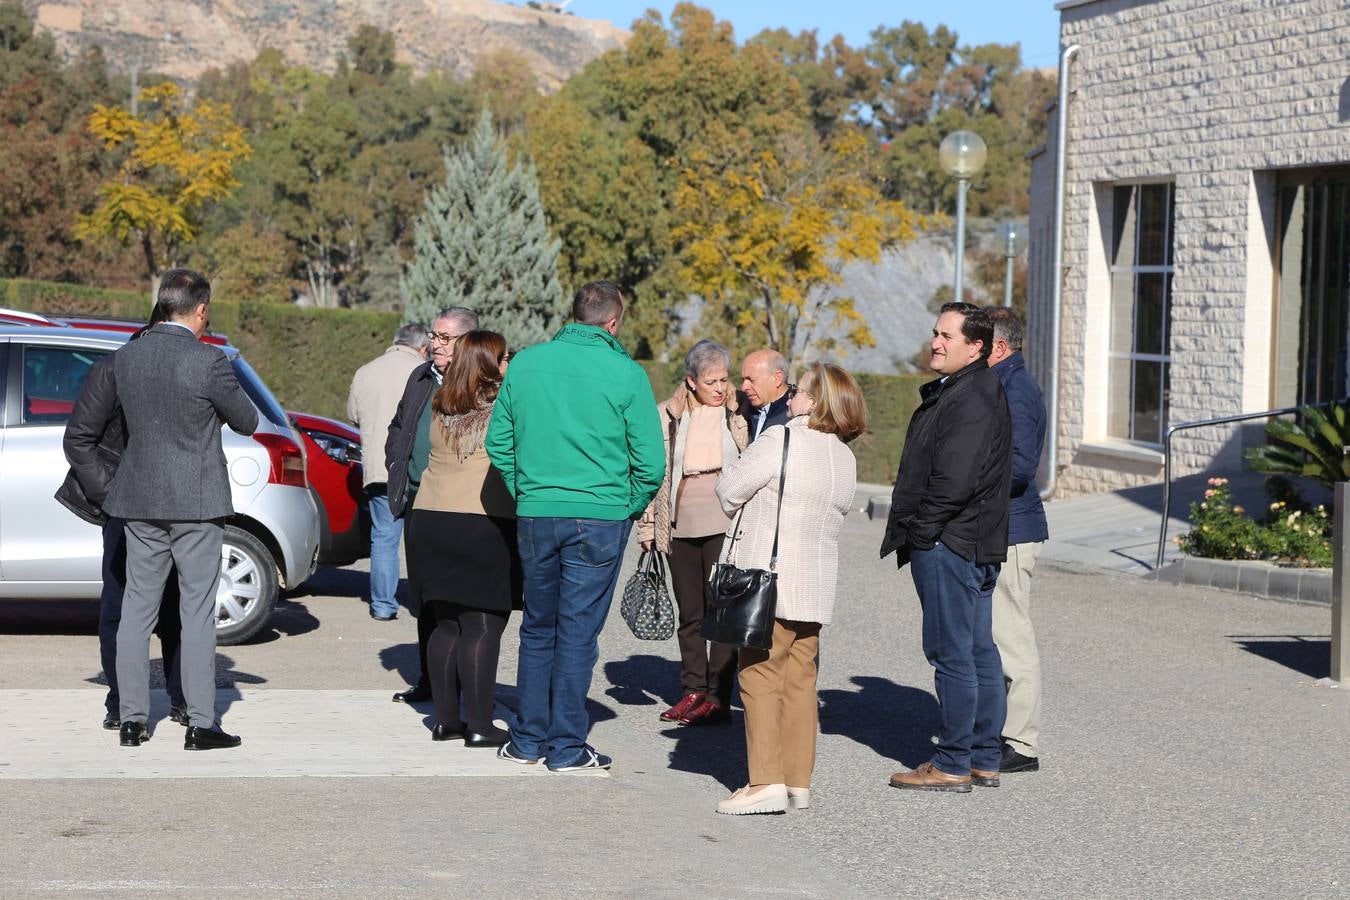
x=1016 y=640
x=153 y=547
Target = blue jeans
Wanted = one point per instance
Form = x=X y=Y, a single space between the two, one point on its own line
x=570 y=567
x=958 y=640
x=385 y=532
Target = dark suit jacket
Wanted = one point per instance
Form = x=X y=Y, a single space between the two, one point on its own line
x=1026 y=513
x=778 y=415
x=402 y=431
x=175 y=391
x=95 y=438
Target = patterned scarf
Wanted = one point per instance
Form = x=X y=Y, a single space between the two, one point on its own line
x=467 y=431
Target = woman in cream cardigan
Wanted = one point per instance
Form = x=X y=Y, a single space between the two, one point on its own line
x=703 y=434
x=778 y=686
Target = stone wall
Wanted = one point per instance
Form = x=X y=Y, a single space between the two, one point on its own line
x=1210 y=95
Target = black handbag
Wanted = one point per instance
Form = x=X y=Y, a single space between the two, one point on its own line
x=741 y=603
x=646 y=605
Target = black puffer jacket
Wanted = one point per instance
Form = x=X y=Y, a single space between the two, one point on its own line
x=955 y=471
x=95 y=437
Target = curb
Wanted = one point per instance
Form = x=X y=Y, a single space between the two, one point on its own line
x=1310 y=587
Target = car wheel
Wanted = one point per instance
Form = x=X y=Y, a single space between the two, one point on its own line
x=247 y=591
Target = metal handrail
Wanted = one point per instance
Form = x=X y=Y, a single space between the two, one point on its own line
x=1222 y=420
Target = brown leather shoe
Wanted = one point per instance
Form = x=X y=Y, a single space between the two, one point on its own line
x=683 y=708
x=983 y=778
x=709 y=712
x=929 y=777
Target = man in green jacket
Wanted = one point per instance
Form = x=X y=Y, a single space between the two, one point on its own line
x=576 y=438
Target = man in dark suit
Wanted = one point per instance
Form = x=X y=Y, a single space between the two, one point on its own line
x=764 y=386
x=173 y=491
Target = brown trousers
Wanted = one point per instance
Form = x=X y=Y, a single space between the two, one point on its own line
x=707 y=666
x=778 y=689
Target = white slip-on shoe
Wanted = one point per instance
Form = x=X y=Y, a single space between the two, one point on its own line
x=771 y=798
x=799 y=798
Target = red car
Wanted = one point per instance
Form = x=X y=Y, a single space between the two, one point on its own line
x=332 y=453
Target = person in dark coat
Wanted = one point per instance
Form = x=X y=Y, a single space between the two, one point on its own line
x=406 y=451
x=96 y=435
x=1027 y=533
x=949 y=522
x=764 y=391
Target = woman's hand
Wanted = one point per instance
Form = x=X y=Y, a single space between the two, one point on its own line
x=646 y=546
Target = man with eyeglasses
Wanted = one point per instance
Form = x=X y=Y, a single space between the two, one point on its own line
x=406 y=450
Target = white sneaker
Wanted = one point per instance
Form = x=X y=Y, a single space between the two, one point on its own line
x=772 y=798
x=799 y=798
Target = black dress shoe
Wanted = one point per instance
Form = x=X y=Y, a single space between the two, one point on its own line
x=418 y=693
x=447 y=733
x=112 y=721
x=1016 y=762
x=180 y=715
x=493 y=737
x=133 y=734
x=378 y=617
x=198 y=738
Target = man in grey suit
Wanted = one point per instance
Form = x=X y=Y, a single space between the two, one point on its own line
x=173 y=490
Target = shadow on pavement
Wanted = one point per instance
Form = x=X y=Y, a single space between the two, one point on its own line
x=48 y=616
x=717 y=751
x=636 y=679
x=290 y=618
x=402 y=658
x=328 y=581
x=1306 y=654
x=895 y=721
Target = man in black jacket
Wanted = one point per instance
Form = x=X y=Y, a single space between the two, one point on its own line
x=764 y=390
x=405 y=455
x=949 y=521
x=94 y=440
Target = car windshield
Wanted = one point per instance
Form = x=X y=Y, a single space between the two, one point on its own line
x=259 y=394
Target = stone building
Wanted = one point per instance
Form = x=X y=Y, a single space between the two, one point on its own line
x=1206 y=256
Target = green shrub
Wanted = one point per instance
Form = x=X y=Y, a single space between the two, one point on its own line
x=1314 y=447
x=1290 y=533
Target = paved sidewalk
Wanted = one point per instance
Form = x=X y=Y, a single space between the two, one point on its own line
x=1188 y=751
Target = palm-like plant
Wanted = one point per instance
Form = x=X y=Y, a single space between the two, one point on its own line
x=1314 y=448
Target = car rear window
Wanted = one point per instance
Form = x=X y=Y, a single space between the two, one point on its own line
x=259 y=394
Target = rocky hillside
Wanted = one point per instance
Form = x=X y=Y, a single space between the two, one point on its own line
x=183 y=38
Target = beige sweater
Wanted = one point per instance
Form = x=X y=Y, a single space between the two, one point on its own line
x=376 y=389
x=822 y=476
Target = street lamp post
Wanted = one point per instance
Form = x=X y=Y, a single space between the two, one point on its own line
x=1012 y=240
x=962 y=155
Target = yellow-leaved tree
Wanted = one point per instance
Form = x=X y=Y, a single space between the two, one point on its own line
x=763 y=238
x=175 y=161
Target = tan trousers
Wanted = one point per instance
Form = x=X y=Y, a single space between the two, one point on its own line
x=778 y=689
x=1016 y=640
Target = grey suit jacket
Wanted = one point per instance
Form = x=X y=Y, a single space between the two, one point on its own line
x=175 y=391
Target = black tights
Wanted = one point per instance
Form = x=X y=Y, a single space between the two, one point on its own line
x=462 y=655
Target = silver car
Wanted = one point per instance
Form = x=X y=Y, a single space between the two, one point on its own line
x=271 y=542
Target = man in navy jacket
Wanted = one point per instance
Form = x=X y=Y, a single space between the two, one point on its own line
x=1027 y=533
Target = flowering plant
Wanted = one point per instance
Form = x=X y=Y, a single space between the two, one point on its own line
x=1290 y=531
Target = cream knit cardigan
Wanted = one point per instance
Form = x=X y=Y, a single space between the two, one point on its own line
x=822 y=476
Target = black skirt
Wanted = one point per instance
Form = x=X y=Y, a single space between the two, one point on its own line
x=464 y=558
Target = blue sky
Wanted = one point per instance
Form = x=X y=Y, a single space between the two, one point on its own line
x=1032 y=23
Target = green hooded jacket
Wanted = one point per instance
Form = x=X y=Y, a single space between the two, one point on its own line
x=575 y=432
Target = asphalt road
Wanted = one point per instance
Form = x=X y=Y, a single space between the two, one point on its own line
x=1189 y=750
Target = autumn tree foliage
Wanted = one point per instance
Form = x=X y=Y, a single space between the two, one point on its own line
x=176 y=160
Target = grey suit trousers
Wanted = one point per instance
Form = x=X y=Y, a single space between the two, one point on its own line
x=153 y=547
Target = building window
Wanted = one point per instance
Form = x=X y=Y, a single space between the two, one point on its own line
x=1141 y=312
x=1312 y=276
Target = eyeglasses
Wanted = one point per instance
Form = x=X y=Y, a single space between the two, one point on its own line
x=791 y=391
x=441 y=337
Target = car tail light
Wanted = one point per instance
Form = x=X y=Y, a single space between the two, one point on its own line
x=288 y=459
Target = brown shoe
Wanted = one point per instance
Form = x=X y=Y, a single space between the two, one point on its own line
x=983 y=778
x=709 y=712
x=929 y=777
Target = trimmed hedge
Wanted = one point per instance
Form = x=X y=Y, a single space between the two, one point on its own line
x=308 y=356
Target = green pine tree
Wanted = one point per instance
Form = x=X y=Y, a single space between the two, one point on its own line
x=483 y=243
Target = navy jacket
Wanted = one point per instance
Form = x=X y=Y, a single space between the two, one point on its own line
x=398 y=445
x=1026 y=514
